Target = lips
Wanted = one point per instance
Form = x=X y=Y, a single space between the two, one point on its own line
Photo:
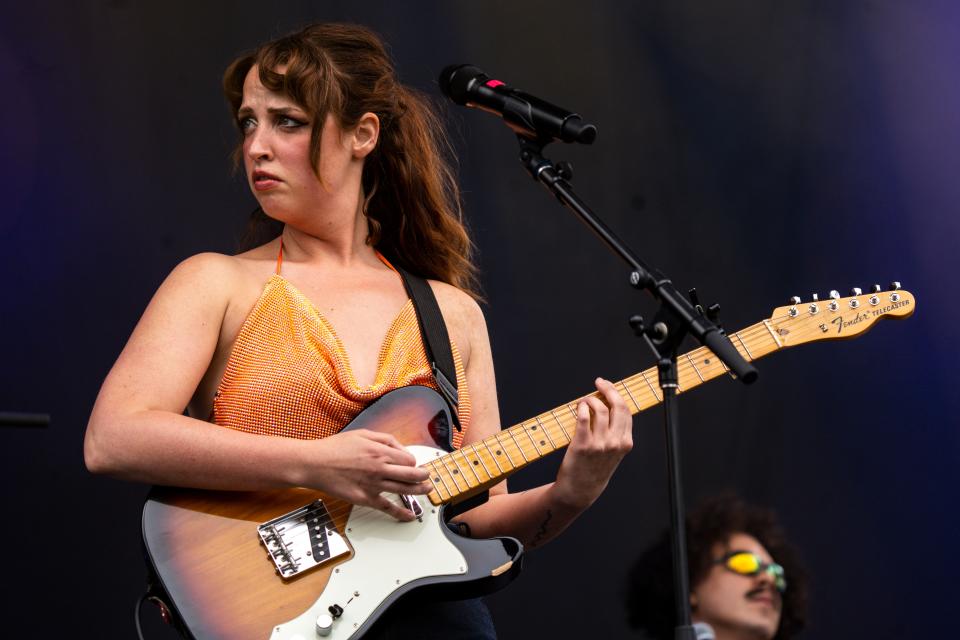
x=762 y=595
x=263 y=180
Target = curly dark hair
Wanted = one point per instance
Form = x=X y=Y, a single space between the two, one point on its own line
x=649 y=591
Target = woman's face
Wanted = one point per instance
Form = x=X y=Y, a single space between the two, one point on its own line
x=276 y=154
x=738 y=606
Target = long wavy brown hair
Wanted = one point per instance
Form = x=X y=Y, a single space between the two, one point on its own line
x=411 y=197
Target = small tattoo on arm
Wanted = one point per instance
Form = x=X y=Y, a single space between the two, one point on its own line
x=542 y=531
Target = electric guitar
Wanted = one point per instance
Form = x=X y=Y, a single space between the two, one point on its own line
x=295 y=564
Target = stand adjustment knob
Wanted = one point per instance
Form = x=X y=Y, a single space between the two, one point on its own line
x=324 y=625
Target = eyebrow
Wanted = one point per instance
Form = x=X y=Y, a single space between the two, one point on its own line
x=246 y=111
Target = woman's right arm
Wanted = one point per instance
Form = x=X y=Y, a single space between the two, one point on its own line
x=137 y=430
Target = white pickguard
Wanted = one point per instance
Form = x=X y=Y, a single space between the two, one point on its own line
x=387 y=555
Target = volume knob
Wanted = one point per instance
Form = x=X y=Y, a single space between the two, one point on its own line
x=324 y=624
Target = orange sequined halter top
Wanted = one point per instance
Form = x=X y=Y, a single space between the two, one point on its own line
x=288 y=373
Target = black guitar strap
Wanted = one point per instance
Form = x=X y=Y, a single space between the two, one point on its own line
x=436 y=341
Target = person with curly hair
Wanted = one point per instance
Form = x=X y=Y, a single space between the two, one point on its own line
x=746 y=580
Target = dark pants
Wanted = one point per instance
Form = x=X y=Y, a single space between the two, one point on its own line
x=458 y=619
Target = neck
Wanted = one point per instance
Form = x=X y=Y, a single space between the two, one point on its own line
x=333 y=239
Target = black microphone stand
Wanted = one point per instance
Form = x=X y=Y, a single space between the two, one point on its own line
x=675 y=318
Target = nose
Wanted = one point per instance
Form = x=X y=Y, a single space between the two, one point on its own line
x=764 y=578
x=258 y=144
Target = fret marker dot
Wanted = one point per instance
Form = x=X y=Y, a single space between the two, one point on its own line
x=533 y=428
x=475 y=463
x=453 y=471
x=437 y=479
x=498 y=451
x=543 y=443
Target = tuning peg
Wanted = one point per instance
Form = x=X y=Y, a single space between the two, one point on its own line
x=856 y=291
x=834 y=294
x=795 y=300
x=814 y=296
x=894 y=285
x=876 y=288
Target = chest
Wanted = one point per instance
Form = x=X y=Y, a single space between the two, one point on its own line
x=361 y=318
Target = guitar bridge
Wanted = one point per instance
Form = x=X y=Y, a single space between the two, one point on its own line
x=302 y=539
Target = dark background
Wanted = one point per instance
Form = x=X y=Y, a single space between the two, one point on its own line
x=756 y=150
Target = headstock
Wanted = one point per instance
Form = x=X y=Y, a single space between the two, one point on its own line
x=837 y=318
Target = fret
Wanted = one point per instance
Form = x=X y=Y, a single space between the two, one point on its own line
x=483 y=464
x=573 y=413
x=652 y=388
x=632 y=399
x=566 y=435
x=433 y=463
x=533 y=441
x=506 y=451
x=773 y=333
x=694 y=365
x=492 y=457
x=544 y=429
x=740 y=338
x=469 y=466
x=522 y=454
x=454 y=473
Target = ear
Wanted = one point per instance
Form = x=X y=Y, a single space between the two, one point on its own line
x=693 y=600
x=365 y=135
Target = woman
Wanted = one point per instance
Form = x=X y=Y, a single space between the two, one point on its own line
x=349 y=162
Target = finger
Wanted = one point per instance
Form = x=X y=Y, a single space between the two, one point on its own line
x=395 y=456
x=583 y=422
x=405 y=488
x=384 y=438
x=601 y=413
x=610 y=394
x=620 y=416
x=392 y=509
x=405 y=474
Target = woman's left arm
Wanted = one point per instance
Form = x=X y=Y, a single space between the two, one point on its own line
x=603 y=437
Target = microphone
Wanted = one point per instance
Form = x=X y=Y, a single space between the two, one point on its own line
x=528 y=115
x=703 y=631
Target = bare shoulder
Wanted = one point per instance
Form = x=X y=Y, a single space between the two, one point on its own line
x=464 y=318
x=216 y=278
x=206 y=270
x=457 y=305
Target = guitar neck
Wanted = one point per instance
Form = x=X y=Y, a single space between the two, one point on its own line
x=478 y=466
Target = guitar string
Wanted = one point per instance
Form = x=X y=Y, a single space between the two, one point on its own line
x=749 y=332
x=641 y=389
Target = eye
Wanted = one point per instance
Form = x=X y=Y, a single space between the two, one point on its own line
x=246 y=124
x=287 y=122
